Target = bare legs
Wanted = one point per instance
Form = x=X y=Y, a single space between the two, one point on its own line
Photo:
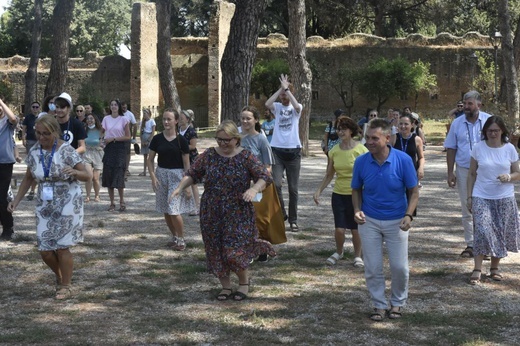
x=175 y=225
x=243 y=284
x=121 y=192
x=339 y=236
x=62 y=264
x=93 y=183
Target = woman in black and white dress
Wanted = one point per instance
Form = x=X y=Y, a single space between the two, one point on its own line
x=173 y=159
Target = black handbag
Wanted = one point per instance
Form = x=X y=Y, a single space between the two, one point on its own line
x=137 y=149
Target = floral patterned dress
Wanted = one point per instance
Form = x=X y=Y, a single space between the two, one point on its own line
x=59 y=223
x=227 y=222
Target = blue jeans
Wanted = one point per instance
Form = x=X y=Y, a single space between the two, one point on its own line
x=373 y=233
x=290 y=161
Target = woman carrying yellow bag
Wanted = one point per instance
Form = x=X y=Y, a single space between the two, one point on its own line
x=269 y=215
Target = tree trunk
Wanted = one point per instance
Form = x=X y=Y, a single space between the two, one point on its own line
x=164 y=61
x=508 y=59
x=61 y=19
x=239 y=56
x=31 y=75
x=301 y=75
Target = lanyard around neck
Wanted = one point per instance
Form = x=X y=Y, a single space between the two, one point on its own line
x=470 y=132
x=47 y=169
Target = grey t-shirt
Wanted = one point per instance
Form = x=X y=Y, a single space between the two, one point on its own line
x=6 y=140
x=259 y=146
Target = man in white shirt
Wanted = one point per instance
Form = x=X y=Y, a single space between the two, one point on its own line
x=133 y=129
x=465 y=132
x=286 y=146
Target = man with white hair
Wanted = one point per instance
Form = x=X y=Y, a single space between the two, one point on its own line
x=465 y=132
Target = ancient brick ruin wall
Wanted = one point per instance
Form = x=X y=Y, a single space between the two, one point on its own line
x=448 y=56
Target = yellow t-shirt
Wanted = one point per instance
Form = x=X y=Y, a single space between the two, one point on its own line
x=343 y=161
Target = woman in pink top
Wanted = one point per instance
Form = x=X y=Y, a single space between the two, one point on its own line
x=116 y=131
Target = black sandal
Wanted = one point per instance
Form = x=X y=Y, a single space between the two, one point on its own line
x=239 y=296
x=467 y=253
x=225 y=296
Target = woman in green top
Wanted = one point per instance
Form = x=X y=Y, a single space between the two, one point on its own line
x=341 y=162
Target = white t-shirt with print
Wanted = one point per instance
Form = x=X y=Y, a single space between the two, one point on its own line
x=285 y=134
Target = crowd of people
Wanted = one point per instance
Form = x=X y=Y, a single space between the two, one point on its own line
x=242 y=209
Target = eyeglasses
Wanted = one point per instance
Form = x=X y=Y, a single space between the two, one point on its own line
x=494 y=131
x=372 y=115
x=35 y=107
x=223 y=140
x=79 y=110
x=43 y=134
x=460 y=106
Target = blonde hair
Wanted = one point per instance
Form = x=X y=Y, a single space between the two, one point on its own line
x=50 y=123
x=230 y=129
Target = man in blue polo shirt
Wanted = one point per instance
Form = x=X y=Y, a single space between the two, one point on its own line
x=380 y=180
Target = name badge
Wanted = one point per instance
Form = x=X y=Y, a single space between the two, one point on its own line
x=47 y=192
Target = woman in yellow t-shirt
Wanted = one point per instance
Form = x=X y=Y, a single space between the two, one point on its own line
x=341 y=163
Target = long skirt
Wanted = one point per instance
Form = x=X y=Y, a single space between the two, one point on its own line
x=269 y=217
x=114 y=165
x=496 y=226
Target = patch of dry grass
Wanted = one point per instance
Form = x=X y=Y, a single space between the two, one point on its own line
x=130 y=289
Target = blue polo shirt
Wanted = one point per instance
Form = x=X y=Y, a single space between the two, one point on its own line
x=384 y=187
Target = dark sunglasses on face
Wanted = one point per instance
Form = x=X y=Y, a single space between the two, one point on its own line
x=223 y=140
x=35 y=107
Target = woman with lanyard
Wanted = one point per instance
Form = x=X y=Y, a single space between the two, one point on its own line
x=411 y=144
x=57 y=168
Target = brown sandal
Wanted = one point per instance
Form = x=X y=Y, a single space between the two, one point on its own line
x=395 y=313
x=475 y=279
x=63 y=292
x=495 y=274
x=378 y=315
x=112 y=207
x=122 y=207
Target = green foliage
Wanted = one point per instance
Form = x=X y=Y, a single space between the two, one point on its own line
x=190 y=18
x=265 y=76
x=484 y=80
x=6 y=90
x=383 y=79
x=88 y=94
x=97 y=25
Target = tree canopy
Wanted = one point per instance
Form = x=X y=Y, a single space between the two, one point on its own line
x=97 y=25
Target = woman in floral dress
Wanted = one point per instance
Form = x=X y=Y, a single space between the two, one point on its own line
x=57 y=167
x=227 y=215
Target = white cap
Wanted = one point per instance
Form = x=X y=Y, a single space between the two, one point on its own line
x=415 y=116
x=66 y=97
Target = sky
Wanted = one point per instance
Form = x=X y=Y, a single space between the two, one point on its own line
x=3 y=3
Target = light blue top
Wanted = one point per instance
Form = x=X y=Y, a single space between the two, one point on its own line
x=6 y=140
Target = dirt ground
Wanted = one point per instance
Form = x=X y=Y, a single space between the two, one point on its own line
x=132 y=290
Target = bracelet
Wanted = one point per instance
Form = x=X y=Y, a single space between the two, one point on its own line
x=508 y=177
x=410 y=216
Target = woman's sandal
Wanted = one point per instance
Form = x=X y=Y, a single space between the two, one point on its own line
x=467 y=253
x=225 y=296
x=378 y=315
x=334 y=258
x=63 y=292
x=395 y=313
x=240 y=296
x=475 y=279
x=494 y=274
x=122 y=207
x=112 y=207
x=97 y=199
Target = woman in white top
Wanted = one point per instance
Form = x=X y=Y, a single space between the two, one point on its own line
x=494 y=165
x=147 y=132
